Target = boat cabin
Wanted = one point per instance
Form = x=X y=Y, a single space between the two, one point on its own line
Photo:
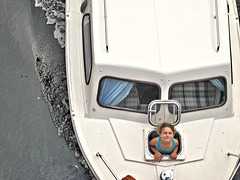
x=131 y=61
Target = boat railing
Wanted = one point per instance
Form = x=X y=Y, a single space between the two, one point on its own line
x=107 y=165
x=237 y=166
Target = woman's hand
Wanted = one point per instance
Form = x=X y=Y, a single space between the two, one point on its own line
x=173 y=156
x=158 y=156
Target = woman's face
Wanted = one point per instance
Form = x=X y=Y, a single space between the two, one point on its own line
x=166 y=134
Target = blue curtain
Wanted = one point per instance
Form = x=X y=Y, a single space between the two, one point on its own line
x=113 y=91
x=219 y=83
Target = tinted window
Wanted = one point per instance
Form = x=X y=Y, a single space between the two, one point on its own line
x=200 y=94
x=124 y=94
x=87 y=47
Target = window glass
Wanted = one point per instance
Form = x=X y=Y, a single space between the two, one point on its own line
x=200 y=94
x=124 y=94
x=87 y=47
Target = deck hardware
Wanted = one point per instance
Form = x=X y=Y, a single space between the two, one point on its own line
x=106 y=164
x=217 y=25
x=237 y=167
x=152 y=111
x=106 y=25
x=166 y=175
x=83 y=6
x=231 y=154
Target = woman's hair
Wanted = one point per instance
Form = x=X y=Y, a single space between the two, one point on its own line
x=163 y=125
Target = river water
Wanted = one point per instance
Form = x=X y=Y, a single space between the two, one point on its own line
x=34 y=105
x=36 y=134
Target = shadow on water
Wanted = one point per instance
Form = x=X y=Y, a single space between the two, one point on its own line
x=51 y=73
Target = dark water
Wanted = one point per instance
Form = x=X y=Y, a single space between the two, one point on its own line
x=36 y=135
x=30 y=144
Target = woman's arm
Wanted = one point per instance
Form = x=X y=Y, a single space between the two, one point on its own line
x=173 y=155
x=158 y=156
x=153 y=142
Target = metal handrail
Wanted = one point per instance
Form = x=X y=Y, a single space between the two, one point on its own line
x=154 y=102
x=237 y=167
x=106 y=164
x=217 y=25
x=106 y=25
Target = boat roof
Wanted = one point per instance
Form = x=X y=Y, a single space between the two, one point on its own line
x=163 y=36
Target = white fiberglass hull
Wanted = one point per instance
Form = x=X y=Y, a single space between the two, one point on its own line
x=119 y=136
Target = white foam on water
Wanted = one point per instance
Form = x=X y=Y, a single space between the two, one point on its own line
x=55 y=14
x=53 y=81
x=38 y=3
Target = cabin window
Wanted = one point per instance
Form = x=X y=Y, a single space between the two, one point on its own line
x=127 y=95
x=199 y=95
x=87 y=47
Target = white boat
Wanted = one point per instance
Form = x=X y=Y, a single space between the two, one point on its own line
x=133 y=64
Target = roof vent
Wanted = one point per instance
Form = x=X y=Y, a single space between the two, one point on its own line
x=166 y=175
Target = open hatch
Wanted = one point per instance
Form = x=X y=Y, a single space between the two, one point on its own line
x=160 y=111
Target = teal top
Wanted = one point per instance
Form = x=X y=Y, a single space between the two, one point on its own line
x=164 y=151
